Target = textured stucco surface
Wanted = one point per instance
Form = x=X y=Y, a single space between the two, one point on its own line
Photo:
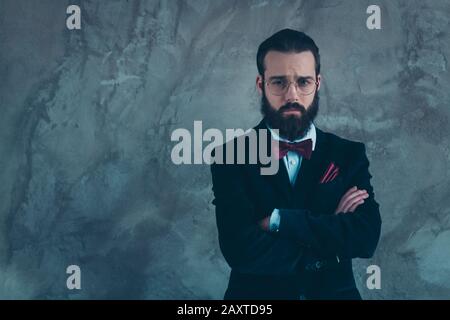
x=86 y=117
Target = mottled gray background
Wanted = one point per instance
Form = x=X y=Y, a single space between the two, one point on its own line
x=86 y=117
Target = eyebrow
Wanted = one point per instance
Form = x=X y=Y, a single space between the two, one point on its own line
x=284 y=77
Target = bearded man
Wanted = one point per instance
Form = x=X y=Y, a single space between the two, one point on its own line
x=293 y=235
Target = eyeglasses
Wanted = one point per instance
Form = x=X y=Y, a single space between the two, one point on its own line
x=280 y=85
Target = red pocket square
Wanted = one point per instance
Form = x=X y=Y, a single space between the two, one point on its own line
x=330 y=174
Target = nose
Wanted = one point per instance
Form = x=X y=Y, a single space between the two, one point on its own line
x=291 y=93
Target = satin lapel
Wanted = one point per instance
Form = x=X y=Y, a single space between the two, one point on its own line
x=280 y=180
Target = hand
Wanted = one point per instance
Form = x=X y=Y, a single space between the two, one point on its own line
x=264 y=223
x=351 y=200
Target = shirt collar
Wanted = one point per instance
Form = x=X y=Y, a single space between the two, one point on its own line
x=310 y=134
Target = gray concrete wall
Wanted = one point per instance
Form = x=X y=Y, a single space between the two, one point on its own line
x=86 y=117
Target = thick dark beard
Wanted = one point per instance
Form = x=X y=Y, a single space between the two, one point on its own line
x=290 y=127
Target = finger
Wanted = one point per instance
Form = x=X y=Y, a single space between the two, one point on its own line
x=352 y=205
x=349 y=195
x=349 y=191
x=349 y=199
x=355 y=194
x=355 y=205
x=354 y=200
x=339 y=209
x=344 y=199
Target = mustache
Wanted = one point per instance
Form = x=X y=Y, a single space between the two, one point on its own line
x=292 y=106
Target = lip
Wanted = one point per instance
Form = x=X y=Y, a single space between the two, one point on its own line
x=291 y=111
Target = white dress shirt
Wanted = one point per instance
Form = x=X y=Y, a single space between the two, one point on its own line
x=292 y=161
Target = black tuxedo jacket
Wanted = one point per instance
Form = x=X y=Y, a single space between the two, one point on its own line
x=310 y=256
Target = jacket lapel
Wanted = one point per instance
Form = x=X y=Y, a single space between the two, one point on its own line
x=279 y=181
x=310 y=171
x=301 y=193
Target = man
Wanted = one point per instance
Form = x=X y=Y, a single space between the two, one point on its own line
x=293 y=235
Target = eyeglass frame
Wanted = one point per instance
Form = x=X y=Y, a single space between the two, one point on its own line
x=316 y=83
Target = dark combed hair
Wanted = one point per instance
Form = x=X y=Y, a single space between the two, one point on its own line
x=287 y=41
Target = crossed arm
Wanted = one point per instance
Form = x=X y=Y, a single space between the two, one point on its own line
x=248 y=247
x=351 y=200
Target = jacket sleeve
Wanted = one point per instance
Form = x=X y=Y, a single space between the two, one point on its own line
x=349 y=235
x=245 y=246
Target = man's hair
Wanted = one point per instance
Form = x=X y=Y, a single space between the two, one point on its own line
x=287 y=41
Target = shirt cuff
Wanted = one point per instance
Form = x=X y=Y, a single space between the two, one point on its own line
x=274 y=222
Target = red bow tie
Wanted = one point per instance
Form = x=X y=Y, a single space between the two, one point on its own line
x=303 y=148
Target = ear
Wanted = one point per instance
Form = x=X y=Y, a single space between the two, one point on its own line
x=319 y=81
x=259 y=84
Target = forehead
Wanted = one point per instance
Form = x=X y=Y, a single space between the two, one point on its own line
x=289 y=64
